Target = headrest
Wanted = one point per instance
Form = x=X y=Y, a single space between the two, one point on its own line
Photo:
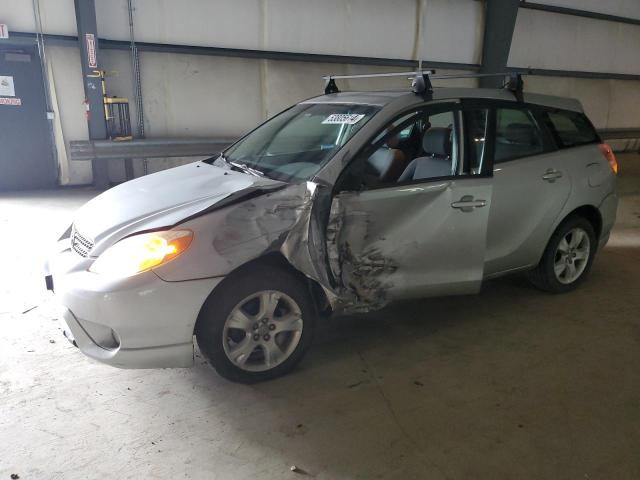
x=521 y=134
x=437 y=141
x=393 y=141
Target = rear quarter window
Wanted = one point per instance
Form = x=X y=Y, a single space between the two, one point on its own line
x=571 y=128
x=517 y=135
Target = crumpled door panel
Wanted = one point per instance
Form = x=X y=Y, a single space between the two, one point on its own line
x=407 y=242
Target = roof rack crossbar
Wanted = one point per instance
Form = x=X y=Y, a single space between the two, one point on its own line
x=331 y=87
x=421 y=80
x=374 y=75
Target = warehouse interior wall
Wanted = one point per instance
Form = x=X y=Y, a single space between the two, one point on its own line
x=208 y=96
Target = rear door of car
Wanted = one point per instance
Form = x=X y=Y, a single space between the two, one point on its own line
x=531 y=186
x=417 y=237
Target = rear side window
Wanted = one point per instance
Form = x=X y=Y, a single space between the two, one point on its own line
x=571 y=128
x=517 y=135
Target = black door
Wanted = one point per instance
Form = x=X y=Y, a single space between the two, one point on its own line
x=26 y=151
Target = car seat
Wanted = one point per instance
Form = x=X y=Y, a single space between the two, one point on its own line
x=436 y=162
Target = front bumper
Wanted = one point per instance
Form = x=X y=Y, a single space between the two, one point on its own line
x=137 y=322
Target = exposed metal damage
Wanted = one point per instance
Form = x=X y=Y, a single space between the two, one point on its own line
x=362 y=271
x=313 y=233
x=256 y=216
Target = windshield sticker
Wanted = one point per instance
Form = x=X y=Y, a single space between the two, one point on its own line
x=343 y=118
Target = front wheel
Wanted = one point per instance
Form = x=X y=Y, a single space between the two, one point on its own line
x=568 y=257
x=257 y=325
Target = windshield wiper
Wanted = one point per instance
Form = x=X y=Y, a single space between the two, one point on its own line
x=245 y=168
x=241 y=167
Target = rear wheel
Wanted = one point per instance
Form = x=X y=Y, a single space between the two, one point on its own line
x=568 y=257
x=257 y=325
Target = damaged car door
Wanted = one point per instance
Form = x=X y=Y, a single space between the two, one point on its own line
x=418 y=230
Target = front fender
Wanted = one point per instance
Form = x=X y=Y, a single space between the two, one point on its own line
x=282 y=221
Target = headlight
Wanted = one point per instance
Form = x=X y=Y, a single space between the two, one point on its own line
x=142 y=252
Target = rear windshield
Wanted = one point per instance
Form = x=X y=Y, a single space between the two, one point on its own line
x=571 y=128
x=297 y=143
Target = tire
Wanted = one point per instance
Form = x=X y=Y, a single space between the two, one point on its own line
x=544 y=276
x=248 y=330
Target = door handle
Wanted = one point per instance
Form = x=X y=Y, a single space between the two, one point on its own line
x=468 y=203
x=551 y=175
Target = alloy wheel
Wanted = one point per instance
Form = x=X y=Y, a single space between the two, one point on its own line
x=262 y=331
x=572 y=256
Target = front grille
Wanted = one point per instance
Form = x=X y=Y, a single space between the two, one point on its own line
x=80 y=244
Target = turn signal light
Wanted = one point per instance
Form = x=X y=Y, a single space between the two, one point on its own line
x=607 y=152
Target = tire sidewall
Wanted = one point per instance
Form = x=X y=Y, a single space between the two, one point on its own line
x=210 y=326
x=549 y=255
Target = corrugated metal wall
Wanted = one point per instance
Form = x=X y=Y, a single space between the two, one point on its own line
x=190 y=95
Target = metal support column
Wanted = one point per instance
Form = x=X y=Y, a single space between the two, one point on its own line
x=89 y=56
x=500 y=21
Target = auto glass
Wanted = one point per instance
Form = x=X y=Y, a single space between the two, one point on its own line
x=517 y=135
x=573 y=128
x=294 y=145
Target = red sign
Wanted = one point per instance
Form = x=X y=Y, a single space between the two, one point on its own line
x=91 y=50
x=10 y=101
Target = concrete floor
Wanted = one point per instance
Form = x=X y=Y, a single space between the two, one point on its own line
x=512 y=383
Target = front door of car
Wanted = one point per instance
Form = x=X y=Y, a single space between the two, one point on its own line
x=423 y=232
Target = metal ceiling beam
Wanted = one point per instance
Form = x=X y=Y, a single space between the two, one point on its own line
x=71 y=41
x=579 y=13
x=18 y=38
x=499 y=23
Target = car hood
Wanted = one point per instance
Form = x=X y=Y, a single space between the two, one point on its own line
x=161 y=199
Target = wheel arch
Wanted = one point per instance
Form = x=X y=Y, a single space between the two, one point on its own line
x=274 y=260
x=590 y=213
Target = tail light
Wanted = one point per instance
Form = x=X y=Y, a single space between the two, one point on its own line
x=607 y=152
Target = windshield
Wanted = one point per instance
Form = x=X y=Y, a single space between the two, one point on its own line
x=297 y=143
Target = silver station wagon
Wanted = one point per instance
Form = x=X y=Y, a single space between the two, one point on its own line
x=342 y=203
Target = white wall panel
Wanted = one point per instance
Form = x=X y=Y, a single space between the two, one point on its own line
x=58 y=16
x=624 y=104
x=219 y=23
x=620 y=8
x=372 y=28
x=191 y=95
x=553 y=41
x=452 y=31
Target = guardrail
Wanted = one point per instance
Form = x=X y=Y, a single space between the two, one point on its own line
x=622 y=139
x=147 y=148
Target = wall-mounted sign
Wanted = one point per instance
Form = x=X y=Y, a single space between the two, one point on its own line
x=91 y=50
x=6 y=86
x=11 y=101
x=4 y=31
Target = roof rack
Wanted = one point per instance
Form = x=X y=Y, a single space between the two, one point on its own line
x=421 y=80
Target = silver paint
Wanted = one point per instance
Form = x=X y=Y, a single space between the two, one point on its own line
x=364 y=249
